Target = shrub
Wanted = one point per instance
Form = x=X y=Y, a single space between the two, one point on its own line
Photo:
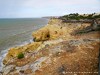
x=20 y=56
x=76 y=16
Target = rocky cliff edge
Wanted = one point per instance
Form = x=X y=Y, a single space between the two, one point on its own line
x=59 y=48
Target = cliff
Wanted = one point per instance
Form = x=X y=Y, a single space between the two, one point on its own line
x=59 y=48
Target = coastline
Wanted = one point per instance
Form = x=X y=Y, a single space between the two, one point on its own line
x=52 y=44
x=12 y=41
x=3 y=53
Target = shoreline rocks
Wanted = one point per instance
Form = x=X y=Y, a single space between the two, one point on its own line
x=56 y=51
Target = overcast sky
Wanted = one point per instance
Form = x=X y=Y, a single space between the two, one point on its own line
x=40 y=8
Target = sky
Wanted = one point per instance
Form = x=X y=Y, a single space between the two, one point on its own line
x=41 y=8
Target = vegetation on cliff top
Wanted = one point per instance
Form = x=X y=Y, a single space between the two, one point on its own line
x=76 y=16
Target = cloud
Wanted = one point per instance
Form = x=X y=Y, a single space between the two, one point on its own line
x=25 y=8
x=46 y=3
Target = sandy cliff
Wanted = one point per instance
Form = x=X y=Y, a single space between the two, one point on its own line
x=59 y=48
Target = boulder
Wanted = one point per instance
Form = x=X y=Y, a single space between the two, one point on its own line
x=13 y=52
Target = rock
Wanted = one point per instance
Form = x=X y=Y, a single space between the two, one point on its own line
x=1 y=73
x=55 y=51
x=8 y=69
x=13 y=52
x=41 y=35
x=56 y=29
x=28 y=71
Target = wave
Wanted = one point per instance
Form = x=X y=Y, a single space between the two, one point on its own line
x=4 y=52
x=2 y=55
x=13 y=41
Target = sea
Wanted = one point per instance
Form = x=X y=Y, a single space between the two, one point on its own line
x=17 y=32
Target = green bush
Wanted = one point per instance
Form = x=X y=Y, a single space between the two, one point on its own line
x=76 y=16
x=20 y=56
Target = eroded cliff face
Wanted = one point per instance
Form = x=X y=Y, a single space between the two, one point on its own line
x=56 y=29
x=59 y=48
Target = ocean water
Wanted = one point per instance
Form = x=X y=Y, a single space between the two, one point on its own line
x=15 y=32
